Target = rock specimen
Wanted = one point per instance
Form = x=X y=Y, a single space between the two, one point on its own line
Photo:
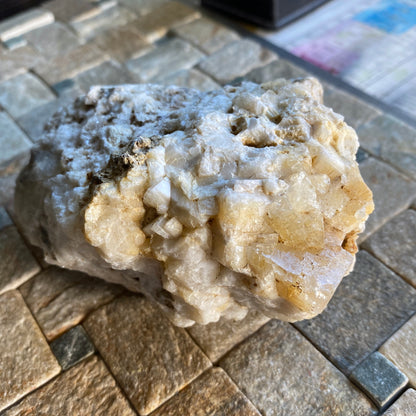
x=209 y=203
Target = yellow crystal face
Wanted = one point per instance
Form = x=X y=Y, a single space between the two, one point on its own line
x=210 y=203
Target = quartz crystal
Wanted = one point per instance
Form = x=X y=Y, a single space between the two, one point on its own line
x=209 y=203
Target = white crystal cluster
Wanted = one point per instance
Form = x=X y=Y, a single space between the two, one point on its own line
x=209 y=203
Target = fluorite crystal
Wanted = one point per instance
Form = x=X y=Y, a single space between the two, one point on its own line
x=209 y=203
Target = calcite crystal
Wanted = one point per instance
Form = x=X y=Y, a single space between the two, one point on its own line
x=209 y=203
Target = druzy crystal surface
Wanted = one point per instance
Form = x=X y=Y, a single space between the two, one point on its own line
x=209 y=203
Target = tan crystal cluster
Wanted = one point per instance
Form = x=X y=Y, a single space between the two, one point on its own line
x=209 y=203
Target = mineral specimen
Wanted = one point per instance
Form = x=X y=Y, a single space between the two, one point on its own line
x=209 y=203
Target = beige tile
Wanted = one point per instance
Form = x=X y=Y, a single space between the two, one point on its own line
x=235 y=60
x=67 y=66
x=17 y=264
x=276 y=69
x=206 y=34
x=107 y=73
x=404 y=406
x=106 y=20
x=52 y=40
x=169 y=57
x=160 y=20
x=391 y=140
x=190 y=78
x=142 y=7
x=401 y=349
x=395 y=245
x=368 y=307
x=218 y=338
x=26 y=362
x=24 y=22
x=66 y=11
x=392 y=193
x=150 y=358
x=18 y=61
x=34 y=121
x=213 y=393
x=283 y=374
x=24 y=93
x=355 y=111
x=122 y=43
x=11 y=148
x=60 y=299
x=85 y=390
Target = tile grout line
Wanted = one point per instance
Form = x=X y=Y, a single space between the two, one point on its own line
x=385 y=221
x=369 y=251
x=345 y=372
x=346 y=375
x=236 y=384
x=54 y=378
x=26 y=243
x=216 y=362
x=325 y=355
x=379 y=158
x=43 y=81
x=196 y=379
x=48 y=344
x=98 y=354
x=396 y=398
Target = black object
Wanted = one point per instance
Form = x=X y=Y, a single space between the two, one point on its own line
x=10 y=7
x=271 y=14
x=72 y=347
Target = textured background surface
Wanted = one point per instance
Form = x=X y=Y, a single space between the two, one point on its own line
x=76 y=345
x=369 y=44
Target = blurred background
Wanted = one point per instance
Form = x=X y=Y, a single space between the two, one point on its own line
x=369 y=44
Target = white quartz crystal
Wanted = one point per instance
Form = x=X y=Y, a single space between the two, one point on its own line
x=209 y=203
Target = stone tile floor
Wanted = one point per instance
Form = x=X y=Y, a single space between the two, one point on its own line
x=72 y=345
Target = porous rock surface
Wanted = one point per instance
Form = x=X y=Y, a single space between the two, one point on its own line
x=209 y=203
